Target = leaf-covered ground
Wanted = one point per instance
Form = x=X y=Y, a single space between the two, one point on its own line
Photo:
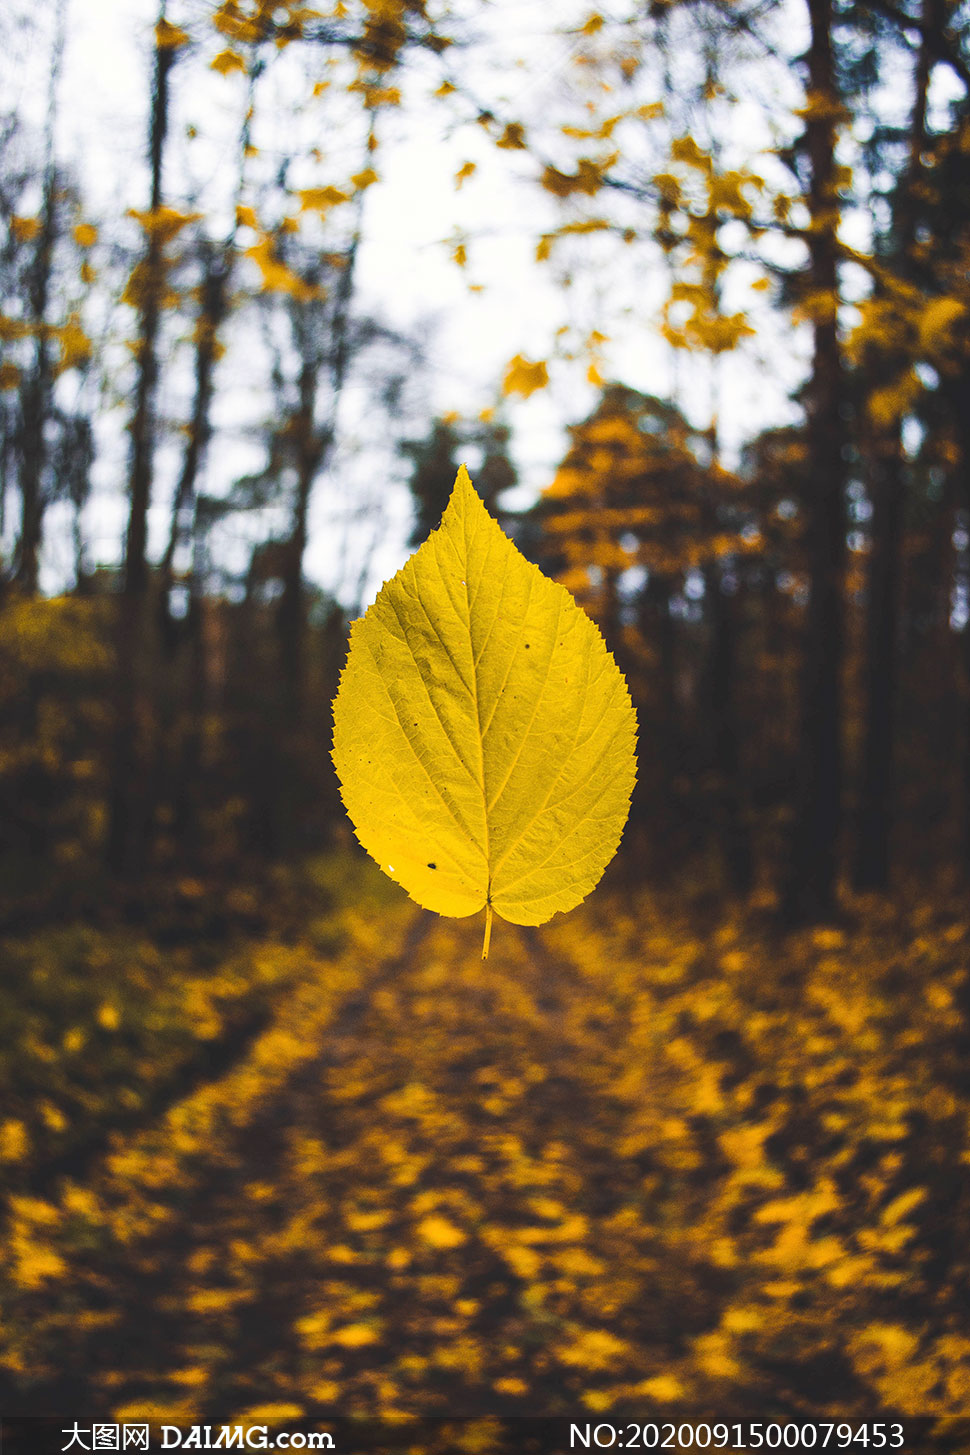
x=632 y=1161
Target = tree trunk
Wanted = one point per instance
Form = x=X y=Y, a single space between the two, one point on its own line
x=36 y=395
x=961 y=395
x=733 y=829
x=309 y=448
x=872 y=862
x=654 y=818
x=876 y=805
x=182 y=657
x=813 y=867
x=35 y=404
x=215 y=280
x=189 y=776
x=130 y=792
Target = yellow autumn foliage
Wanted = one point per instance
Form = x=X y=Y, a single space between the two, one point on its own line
x=525 y=377
x=483 y=735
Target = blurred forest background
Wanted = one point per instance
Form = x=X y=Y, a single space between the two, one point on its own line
x=760 y=195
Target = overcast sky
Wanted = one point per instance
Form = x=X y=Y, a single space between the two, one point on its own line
x=523 y=63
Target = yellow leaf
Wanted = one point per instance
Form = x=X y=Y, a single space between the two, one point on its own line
x=685 y=149
x=9 y=376
x=230 y=20
x=466 y=170
x=902 y=1205
x=525 y=1263
x=483 y=735
x=602 y=132
x=163 y=223
x=591 y=224
x=85 y=234
x=319 y=199
x=377 y=95
x=14 y=1141
x=438 y=1232
x=593 y=1349
x=75 y=344
x=227 y=61
x=108 y=1017
x=510 y=1386
x=270 y=1413
x=889 y=404
x=662 y=1387
x=512 y=138
x=524 y=377
x=276 y=277
x=587 y=178
x=169 y=37
x=939 y=320
x=246 y=217
x=355 y=1336
x=363 y=179
x=24 y=228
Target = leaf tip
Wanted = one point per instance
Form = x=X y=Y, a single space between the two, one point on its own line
x=463 y=481
x=464 y=499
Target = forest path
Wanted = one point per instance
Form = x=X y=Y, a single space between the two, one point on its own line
x=615 y=1164
x=410 y=1215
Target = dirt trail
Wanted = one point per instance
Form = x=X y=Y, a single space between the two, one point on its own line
x=597 y=1170
x=374 y=1229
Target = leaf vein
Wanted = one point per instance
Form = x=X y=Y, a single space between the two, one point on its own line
x=498 y=697
x=563 y=766
x=525 y=736
x=498 y=612
x=461 y=824
x=586 y=818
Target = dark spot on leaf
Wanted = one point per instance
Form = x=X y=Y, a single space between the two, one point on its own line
x=527 y=646
x=432 y=866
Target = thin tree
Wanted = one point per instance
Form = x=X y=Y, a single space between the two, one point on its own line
x=128 y=796
x=813 y=868
x=36 y=395
x=311 y=440
x=886 y=467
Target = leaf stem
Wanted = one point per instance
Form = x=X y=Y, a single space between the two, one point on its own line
x=488 y=930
